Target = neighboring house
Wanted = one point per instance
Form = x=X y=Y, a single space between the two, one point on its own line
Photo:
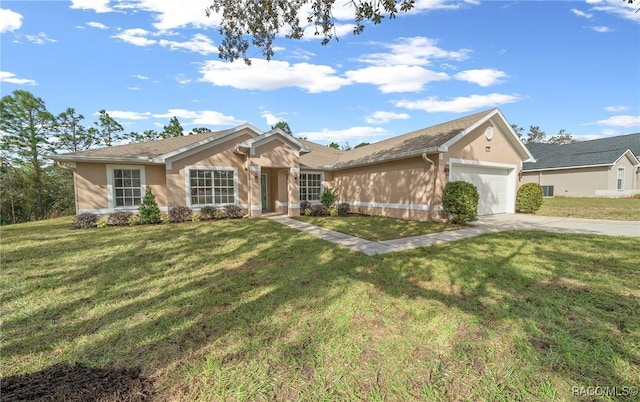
x=607 y=167
x=400 y=177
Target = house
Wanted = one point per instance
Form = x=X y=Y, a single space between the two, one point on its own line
x=271 y=171
x=607 y=167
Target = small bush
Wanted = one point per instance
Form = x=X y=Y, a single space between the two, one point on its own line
x=328 y=197
x=343 y=208
x=637 y=196
x=101 y=223
x=180 y=214
x=134 y=220
x=304 y=205
x=333 y=211
x=208 y=212
x=529 y=198
x=217 y=214
x=85 y=221
x=232 y=211
x=307 y=212
x=460 y=202
x=164 y=218
x=319 y=210
x=148 y=210
x=119 y=218
x=195 y=217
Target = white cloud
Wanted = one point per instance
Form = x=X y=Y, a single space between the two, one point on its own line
x=183 y=79
x=618 y=8
x=119 y=114
x=270 y=118
x=136 y=37
x=381 y=117
x=458 y=105
x=264 y=75
x=601 y=29
x=581 y=13
x=354 y=134
x=178 y=14
x=483 y=77
x=620 y=121
x=11 y=78
x=133 y=88
x=98 y=25
x=610 y=132
x=200 y=117
x=615 y=109
x=140 y=76
x=9 y=20
x=99 y=6
x=199 y=43
x=40 y=39
x=396 y=78
x=415 y=51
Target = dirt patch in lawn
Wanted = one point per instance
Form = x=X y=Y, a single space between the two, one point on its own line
x=65 y=382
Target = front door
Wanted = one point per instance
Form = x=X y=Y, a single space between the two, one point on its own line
x=263 y=190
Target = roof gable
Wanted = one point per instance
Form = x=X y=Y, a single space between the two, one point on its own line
x=273 y=135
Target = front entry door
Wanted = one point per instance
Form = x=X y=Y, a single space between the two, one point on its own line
x=263 y=190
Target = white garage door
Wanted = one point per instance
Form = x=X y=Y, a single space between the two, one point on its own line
x=494 y=186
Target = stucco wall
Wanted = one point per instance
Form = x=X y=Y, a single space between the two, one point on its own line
x=571 y=182
x=475 y=146
x=91 y=186
x=275 y=154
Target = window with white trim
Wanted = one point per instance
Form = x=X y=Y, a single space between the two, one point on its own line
x=620 y=181
x=310 y=186
x=208 y=187
x=127 y=187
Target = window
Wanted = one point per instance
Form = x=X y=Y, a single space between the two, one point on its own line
x=620 y=182
x=547 y=191
x=127 y=187
x=310 y=186
x=212 y=187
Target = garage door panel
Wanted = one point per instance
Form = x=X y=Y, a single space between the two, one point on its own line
x=492 y=184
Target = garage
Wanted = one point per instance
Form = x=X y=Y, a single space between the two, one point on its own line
x=495 y=184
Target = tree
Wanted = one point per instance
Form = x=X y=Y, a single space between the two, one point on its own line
x=174 y=129
x=263 y=21
x=362 y=144
x=284 y=126
x=562 y=138
x=149 y=212
x=536 y=135
x=109 y=130
x=28 y=128
x=334 y=145
x=518 y=130
x=199 y=130
x=346 y=146
x=72 y=136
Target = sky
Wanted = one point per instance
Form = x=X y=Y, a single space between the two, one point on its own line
x=572 y=65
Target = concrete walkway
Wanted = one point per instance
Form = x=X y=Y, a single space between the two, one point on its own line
x=486 y=224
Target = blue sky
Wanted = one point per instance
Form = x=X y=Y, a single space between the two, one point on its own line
x=572 y=65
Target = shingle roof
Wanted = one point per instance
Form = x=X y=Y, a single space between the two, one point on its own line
x=602 y=151
x=402 y=145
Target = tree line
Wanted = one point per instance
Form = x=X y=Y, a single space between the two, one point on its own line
x=536 y=135
x=31 y=187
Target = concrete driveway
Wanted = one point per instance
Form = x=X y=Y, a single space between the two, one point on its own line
x=560 y=225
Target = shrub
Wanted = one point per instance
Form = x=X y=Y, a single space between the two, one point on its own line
x=208 y=212
x=637 y=196
x=319 y=210
x=217 y=214
x=148 y=210
x=333 y=211
x=304 y=205
x=343 y=208
x=307 y=212
x=328 y=197
x=232 y=211
x=195 y=217
x=119 y=218
x=460 y=202
x=134 y=220
x=164 y=218
x=529 y=198
x=85 y=221
x=180 y=214
x=101 y=223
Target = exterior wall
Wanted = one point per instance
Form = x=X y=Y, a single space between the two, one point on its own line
x=91 y=186
x=629 y=181
x=475 y=146
x=275 y=154
x=221 y=155
x=406 y=189
x=157 y=180
x=581 y=182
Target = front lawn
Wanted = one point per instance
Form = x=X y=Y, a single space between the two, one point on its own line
x=252 y=310
x=626 y=209
x=376 y=228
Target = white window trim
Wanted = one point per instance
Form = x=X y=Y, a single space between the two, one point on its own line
x=111 y=202
x=322 y=186
x=187 y=184
x=620 y=179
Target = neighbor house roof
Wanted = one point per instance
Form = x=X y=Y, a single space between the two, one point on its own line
x=427 y=140
x=600 y=152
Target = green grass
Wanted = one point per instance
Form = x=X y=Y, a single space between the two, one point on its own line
x=627 y=209
x=376 y=228
x=251 y=310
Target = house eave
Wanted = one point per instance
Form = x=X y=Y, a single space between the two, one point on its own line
x=390 y=158
x=567 y=167
x=140 y=160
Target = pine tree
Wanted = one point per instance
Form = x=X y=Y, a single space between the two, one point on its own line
x=149 y=212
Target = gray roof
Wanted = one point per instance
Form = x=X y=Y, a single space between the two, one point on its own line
x=604 y=151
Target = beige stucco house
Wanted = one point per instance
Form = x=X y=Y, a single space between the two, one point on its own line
x=606 y=167
x=271 y=171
